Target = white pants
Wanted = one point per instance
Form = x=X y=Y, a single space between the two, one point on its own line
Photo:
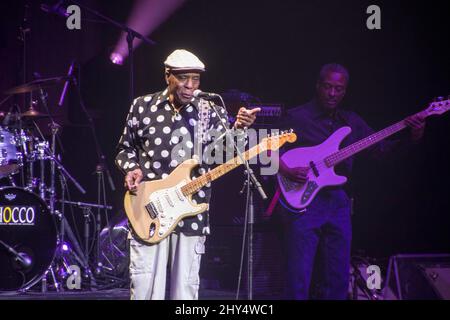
x=148 y=267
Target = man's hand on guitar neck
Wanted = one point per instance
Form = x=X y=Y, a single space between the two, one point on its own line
x=132 y=179
x=417 y=125
x=296 y=174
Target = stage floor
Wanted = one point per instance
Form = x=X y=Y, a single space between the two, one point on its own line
x=112 y=294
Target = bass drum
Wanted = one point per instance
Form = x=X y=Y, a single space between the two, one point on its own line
x=28 y=229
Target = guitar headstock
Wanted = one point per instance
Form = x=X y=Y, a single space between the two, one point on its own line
x=275 y=141
x=438 y=107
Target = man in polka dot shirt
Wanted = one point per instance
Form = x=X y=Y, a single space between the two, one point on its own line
x=161 y=131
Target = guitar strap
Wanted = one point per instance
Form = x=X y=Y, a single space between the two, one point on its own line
x=203 y=122
x=273 y=203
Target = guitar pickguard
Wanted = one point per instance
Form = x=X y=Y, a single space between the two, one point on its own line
x=289 y=185
x=168 y=206
x=311 y=186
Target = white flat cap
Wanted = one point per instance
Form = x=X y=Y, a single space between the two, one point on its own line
x=182 y=59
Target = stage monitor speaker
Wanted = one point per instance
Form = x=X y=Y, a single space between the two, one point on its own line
x=439 y=279
x=418 y=277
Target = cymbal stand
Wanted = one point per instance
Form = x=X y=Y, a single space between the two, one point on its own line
x=41 y=146
x=81 y=256
x=54 y=127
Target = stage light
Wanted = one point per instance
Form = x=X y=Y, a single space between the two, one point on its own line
x=65 y=247
x=145 y=17
x=116 y=58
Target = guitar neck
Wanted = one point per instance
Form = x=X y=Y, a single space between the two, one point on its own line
x=365 y=143
x=197 y=184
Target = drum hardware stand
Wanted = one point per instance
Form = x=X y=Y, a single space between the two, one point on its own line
x=87 y=213
x=11 y=180
x=54 y=127
x=41 y=157
x=80 y=255
x=65 y=229
x=100 y=170
x=101 y=193
x=22 y=173
x=43 y=149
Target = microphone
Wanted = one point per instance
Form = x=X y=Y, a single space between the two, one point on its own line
x=66 y=84
x=24 y=260
x=56 y=9
x=42 y=94
x=205 y=95
x=21 y=257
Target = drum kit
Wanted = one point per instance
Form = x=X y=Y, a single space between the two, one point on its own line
x=33 y=245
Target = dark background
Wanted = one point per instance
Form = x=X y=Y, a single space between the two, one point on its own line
x=272 y=50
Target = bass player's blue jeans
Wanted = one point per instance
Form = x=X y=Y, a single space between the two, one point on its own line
x=322 y=234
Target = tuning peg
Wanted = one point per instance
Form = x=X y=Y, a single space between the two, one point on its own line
x=440 y=99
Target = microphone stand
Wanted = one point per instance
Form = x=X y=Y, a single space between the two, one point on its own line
x=131 y=34
x=251 y=182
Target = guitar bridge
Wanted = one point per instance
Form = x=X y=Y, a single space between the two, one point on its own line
x=151 y=209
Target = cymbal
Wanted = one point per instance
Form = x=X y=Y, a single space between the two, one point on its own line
x=31 y=113
x=36 y=84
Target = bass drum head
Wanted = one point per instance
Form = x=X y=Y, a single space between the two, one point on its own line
x=27 y=226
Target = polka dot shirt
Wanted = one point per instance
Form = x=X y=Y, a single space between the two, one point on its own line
x=157 y=139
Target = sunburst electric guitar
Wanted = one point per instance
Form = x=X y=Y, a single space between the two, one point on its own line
x=156 y=207
x=322 y=158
